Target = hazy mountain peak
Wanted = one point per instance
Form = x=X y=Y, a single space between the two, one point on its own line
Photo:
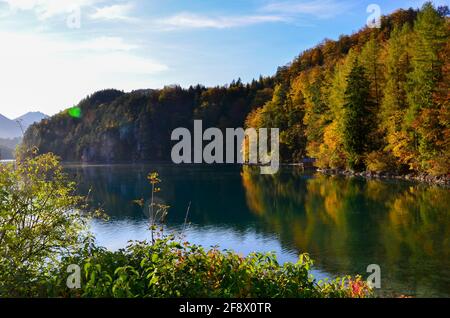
x=32 y=117
x=10 y=128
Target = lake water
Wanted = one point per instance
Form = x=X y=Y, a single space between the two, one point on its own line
x=345 y=224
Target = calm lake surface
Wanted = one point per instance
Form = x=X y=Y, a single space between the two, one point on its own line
x=345 y=224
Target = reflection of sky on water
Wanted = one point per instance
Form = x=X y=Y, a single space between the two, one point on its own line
x=115 y=234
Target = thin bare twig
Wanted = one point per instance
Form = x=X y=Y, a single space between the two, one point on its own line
x=186 y=218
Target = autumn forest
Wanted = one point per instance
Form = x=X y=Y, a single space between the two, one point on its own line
x=376 y=100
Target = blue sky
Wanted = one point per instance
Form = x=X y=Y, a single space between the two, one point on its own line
x=55 y=52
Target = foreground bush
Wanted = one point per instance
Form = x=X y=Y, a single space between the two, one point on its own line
x=40 y=220
x=170 y=269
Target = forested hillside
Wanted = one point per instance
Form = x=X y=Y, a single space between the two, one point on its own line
x=112 y=126
x=376 y=100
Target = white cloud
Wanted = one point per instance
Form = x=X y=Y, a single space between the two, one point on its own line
x=113 y=12
x=284 y=11
x=51 y=73
x=196 y=21
x=321 y=9
x=45 y=9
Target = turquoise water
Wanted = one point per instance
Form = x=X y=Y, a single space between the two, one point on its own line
x=344 y=223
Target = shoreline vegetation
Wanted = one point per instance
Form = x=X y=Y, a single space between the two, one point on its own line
x=441 y=180
x=414 y=176
x=46 y=250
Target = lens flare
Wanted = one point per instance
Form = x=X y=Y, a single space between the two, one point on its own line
x=75 y=112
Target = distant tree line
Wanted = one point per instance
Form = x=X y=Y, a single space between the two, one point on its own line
x=376 y=100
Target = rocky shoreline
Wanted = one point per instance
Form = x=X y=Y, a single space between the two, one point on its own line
x=418 y=177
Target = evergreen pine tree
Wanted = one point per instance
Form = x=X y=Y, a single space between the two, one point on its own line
x=356 y=121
